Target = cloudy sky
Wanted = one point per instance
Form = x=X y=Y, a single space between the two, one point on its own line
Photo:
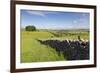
x=54 y=20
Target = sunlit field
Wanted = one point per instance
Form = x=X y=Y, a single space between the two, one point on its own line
x=33 y=51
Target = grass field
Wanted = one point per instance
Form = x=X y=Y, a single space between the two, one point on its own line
x=33 y=51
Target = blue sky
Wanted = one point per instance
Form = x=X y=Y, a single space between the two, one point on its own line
x=55 y=19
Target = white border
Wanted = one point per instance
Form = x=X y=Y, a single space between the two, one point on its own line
x=52 y=64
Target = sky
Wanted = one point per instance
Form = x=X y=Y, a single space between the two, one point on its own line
x=54 y=19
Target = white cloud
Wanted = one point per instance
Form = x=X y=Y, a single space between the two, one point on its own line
x=75 y=21
x=39 y=13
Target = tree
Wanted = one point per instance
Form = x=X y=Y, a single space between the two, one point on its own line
x=30 y=28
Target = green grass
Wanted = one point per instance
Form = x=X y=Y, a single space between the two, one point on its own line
x=33 y=51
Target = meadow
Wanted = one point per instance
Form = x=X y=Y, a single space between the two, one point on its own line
x=33 y=51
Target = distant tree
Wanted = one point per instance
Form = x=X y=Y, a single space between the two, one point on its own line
x=79 y=38
x=30 y=28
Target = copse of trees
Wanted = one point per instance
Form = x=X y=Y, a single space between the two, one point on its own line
x=30 y=28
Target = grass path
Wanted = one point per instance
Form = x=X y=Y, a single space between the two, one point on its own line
x=33 y=51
